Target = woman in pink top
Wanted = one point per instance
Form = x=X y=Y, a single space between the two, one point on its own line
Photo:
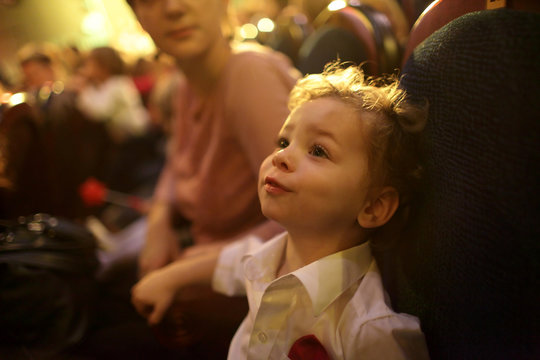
x=219 y=140
x=231 y=105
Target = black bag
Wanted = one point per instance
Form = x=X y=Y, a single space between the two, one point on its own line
x=47 y=267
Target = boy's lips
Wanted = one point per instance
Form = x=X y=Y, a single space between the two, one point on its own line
x=273 y=186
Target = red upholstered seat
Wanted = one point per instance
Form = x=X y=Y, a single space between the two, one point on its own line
x=441 y=12
x=438 y=14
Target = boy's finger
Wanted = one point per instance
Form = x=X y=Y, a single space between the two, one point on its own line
x=142 y=308
x=156 y=315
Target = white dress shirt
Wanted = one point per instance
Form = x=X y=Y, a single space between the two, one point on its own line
x=339 y=299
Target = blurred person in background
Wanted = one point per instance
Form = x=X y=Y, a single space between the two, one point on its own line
x=109 y=95
x=228 y=109
x=41 y=152
x=37 y=71
x=46 y=65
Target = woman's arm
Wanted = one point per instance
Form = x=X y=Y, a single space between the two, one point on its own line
x=161 y=243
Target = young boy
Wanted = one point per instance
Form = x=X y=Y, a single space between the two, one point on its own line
x=340 y=169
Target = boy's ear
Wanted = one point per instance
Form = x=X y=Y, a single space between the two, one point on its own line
x=380 y=209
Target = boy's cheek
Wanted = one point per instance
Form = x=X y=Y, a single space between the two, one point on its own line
x=265 y=166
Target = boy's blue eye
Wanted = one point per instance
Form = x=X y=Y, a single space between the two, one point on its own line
x=282 y=143
x=318 y=151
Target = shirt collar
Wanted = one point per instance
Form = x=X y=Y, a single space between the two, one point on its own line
x=327 y=278
x=324 y=279
x=262 y=264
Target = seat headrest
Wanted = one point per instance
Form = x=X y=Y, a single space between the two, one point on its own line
x=475 y=258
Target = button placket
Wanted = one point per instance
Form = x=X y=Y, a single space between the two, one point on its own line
x=273 y=312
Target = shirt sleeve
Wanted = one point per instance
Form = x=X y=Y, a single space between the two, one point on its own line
x=393 y=336
x=257 y=103
x=228 y=277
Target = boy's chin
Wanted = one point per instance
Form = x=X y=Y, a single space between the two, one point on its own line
x=269 y=214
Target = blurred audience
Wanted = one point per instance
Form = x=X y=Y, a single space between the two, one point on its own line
x=75 y=119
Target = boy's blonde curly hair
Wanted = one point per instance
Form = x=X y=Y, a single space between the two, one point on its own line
x=393 y=122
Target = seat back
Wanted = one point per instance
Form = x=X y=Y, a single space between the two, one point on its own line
x=27 y=163
x=395 y=15
x=438 y=14
x=360 y=38
x=413 y=9
x=373 y=38
x=469 y=264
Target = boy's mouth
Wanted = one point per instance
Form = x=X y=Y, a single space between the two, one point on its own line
x=272 y=185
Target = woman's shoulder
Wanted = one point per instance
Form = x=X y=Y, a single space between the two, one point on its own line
x=256 y=57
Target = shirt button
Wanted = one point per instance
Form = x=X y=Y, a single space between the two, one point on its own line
x=262 y=337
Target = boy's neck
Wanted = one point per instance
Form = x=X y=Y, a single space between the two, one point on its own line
x=304 y=248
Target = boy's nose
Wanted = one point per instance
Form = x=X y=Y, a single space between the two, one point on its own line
x=282 y=160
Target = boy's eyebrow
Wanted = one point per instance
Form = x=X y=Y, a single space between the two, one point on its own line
x=325 y=133
x=312 y=129
x=287 y=127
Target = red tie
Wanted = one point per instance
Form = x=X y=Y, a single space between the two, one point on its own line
x=308 y=348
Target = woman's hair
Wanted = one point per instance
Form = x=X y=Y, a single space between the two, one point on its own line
x=108 y=58
x=393 y=122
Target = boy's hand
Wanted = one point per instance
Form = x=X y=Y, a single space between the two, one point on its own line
x=153 y=295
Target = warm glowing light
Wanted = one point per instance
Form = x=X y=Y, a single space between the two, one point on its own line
x=93 y=23
x=337 y=5
x=426 y=10
x=5 y=97
x=44 y=93
x=57 y=87
x=130 y=42
x=248 y=31
x=265 y=25
x=17 y=99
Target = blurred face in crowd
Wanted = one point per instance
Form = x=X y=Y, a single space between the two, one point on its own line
x=93 y=71
x=185 y=29
x=36 y=74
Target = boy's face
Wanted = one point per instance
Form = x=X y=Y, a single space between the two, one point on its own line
x=181 y=28
x=318 y=177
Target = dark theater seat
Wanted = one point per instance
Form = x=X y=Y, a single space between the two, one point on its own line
x=469 y=264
